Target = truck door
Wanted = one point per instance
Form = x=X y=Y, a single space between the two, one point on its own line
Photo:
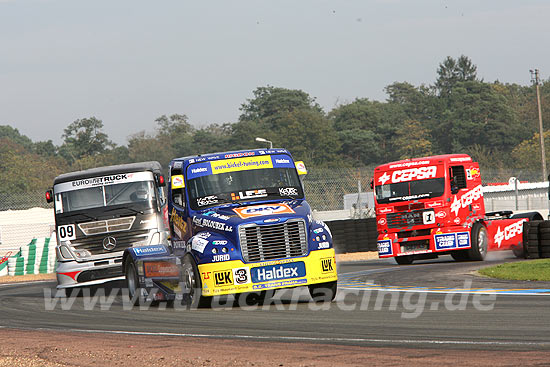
x=179 y=227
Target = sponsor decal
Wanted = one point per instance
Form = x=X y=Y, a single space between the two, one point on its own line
x=327 y=265
x=206 y=275
x=466 y=199
x=223 y=278
x=198 y=244
x=288 y=191
x=441 y=214
x=510 y=231
x=240 y=154
x=199 y=170
x=417 y=173
x=461 y=159
x=463 y=239
x=241 y=164
x=434 y=204
x=178 y=182
x=100 y=181
x=476 y=206
x=209 y=223
x=179 y=244
x=249 y=194
x=221 y=257
x=207 y=200
x=457 y=220
x=180 y=226
x=382 y=221
x=265 y=209
x=161 y=269
x=409 y=164
x=149 y=250
x=271 y=220
x=318 y=230
x=301 y=168
x=278 y=272
x=385 y=210
x=384 y=247
x=145 y=221
x=384 y=178
x=472 y=173
x=445 y=241
x=323 y=245
x=282 y=161
x=219 y=242
x=241 y=276
x=283 y=283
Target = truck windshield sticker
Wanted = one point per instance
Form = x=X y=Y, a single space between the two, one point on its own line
x=259 y=210
x=239 y=164
x=103 y=181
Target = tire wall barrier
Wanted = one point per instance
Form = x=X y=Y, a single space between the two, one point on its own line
x=38 y=257
x=353 y=235
x=536 y=239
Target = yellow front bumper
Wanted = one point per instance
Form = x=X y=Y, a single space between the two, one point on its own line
x=237 y=277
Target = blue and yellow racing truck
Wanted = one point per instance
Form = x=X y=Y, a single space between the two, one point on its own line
x=239 y=224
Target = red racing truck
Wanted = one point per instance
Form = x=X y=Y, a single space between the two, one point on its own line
x=431 y=206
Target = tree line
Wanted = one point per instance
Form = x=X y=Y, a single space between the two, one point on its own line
x=494 y=122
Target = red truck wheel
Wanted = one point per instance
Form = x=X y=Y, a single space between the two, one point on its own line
x=479 y=243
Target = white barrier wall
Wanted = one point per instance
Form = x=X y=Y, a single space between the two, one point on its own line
x=19 y=227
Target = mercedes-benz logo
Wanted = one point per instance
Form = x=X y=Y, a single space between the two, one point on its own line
x=109 y=243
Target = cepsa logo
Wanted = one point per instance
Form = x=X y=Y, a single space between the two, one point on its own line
x=510 y=231
x=259 y=210
x=410 y=174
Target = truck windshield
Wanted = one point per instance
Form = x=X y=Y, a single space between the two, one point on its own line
x=246 y=185
x=141 y=194
x=410 y=190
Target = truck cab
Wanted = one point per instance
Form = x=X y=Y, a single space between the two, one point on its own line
x=239 y=223
x=102 y=211
x=431 y=206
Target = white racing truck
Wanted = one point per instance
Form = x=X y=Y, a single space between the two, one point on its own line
x=99 y=213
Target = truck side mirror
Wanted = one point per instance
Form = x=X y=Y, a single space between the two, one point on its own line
x=549 y=188
x=49 y=196
x=454 y=186
x=372 y=184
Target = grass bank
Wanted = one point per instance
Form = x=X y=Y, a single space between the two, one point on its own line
x=521 y=270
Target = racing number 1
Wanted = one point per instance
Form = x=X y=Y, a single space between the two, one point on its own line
x=428 y=217
x=66 y=232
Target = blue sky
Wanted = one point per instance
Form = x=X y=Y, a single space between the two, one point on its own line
x=128 y=62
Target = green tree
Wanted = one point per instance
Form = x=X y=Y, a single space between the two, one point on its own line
x=452 y=71
x=413 y=140
x=84 y=137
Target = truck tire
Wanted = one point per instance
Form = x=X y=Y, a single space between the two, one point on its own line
x=404 y=260
x=193 y=284
x=460 y=255
x=479 y=243
x=323 y=292
x=132 y=283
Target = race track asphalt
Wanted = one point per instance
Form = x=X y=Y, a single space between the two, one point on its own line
x=436 y=303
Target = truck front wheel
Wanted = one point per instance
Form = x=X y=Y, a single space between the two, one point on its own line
x=132 y=282
x=479 y=243
x=323 y=292
x=404 y=260
x=192 y=283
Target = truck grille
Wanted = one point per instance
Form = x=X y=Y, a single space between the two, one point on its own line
x=109 y=225
x=398 y=220
x=273 y=241
x=123 y=240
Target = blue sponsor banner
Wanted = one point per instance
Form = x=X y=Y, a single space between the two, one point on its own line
x=445 y=241
x=198 y=170
x=385 y=247
x=142 y=251
x=283 y=283
x=463 y=239
x=282 y=161
x=278 y=272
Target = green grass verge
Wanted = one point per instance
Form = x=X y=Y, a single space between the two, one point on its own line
x=521 y=270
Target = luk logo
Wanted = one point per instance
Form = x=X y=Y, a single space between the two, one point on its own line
x=222 y=278
x=326 y=265
x=278 y=272
x=259 y=210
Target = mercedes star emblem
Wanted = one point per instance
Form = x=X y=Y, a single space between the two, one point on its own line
x=109 y=243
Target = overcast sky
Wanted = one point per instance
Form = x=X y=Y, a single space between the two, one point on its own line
x=127 y=62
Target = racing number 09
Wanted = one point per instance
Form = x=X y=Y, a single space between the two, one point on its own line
x=66 y=232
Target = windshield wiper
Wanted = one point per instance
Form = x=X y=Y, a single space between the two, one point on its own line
x=135 y=211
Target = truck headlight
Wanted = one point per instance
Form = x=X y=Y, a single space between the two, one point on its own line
x=65 y=253
x=80 y=254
